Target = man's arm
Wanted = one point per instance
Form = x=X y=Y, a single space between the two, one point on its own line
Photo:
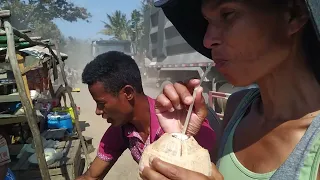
x=111 y=147
x=98 y=170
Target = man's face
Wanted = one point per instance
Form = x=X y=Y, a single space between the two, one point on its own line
x=115 y=109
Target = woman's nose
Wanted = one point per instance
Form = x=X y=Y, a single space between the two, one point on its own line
x=212 y=37
x=99 y=112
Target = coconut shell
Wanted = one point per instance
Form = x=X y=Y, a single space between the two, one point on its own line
x=180 y=150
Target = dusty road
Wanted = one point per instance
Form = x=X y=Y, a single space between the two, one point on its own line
x=125 y=168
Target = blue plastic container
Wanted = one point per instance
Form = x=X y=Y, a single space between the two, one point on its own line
x=9 y=175
x=60 y=120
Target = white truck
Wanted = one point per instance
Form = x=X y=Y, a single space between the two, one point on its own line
x=102 y=46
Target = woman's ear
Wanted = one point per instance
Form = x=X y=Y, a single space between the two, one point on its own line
x=128 y=92
x=297 y=16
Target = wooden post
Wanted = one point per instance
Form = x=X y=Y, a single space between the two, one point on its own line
x=24 y=77
x=73 y=105
x=30 y=113
x=46 y=70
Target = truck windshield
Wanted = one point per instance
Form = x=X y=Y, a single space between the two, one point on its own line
x=99 y=48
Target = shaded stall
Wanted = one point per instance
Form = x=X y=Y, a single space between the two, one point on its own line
x=27 y=91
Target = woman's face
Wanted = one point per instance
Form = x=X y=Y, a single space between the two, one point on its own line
x=246 y=43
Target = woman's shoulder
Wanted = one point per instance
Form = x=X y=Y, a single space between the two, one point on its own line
x=232 y=104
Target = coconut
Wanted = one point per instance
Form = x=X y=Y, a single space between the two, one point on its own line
x=180 y=150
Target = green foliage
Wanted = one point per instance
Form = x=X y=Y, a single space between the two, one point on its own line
x=117 y=26
x=120 y=28
x=38 y=15
x=136 y=30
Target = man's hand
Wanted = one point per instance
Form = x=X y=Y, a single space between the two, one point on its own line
x=98 y=170
x=160 y=170
x=172 y=105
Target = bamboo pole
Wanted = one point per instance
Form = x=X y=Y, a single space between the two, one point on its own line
x=30 y=113
x=73 y=105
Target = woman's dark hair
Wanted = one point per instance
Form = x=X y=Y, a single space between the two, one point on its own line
x=311 y=46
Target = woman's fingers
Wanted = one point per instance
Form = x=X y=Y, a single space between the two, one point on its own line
x=149 y=174
x=199 y=104
x=177 y=95
x=183 y=92
x=163 y=104
x=171 y=93
x=192 y=83
x=168 y=170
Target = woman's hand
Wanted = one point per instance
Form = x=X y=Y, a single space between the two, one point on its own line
x=172 y=106
x=161 y=170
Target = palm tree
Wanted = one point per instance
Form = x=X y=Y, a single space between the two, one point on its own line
x=136 y=29
x=117 y=26
x=146 y=4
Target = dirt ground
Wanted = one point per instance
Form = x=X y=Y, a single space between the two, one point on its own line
x=125 y=168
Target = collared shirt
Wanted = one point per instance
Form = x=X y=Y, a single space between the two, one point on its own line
x=117 y=139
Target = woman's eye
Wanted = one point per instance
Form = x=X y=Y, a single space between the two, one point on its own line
x=228 y=15
x=100 y=105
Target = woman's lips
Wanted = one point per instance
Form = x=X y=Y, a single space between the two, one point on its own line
x=220 y=63
x=109 y=120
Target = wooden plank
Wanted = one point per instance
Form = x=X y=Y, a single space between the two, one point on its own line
x=60 y=145
x=70 y=149
x=66 y=168
x=5 y=13
x=9 y=98
x=23 y=92
x=37 y=64
x=55 y=134
x=11 y=119
x=69 y=166
x=73 y=105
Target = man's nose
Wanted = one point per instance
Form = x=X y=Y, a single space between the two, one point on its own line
x=212 y=37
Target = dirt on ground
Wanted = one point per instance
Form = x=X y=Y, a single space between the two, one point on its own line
x=94 y=126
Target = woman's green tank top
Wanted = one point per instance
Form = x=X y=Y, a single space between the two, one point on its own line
x=302 y=164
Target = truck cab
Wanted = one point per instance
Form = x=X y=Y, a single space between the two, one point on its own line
x=102 y=46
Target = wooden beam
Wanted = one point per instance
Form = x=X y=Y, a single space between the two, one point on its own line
x=5 y=13
x=21 y=60
x=9 y=98
x=11 y=119
x=73 y=105
x=30 y=112
x=3 y=33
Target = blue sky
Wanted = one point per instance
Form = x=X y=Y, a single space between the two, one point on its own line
x=98 y=9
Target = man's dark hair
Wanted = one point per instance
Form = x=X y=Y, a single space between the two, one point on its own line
x=115 y=70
